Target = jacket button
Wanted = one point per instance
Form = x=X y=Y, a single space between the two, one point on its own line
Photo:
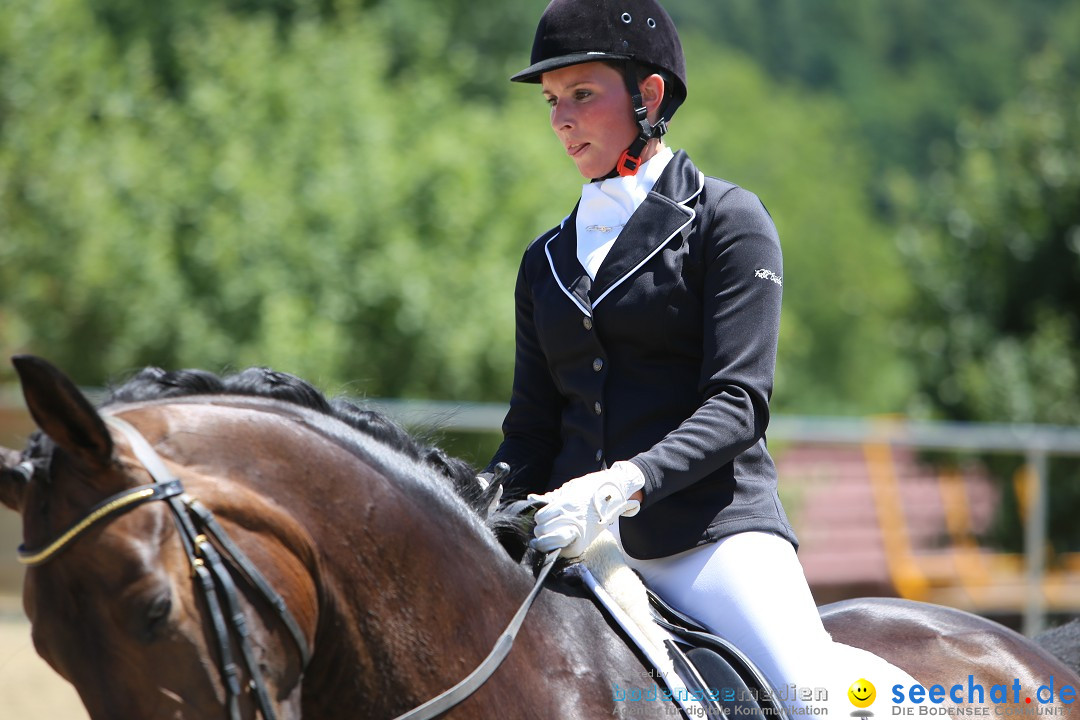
x=598 y=364
x=587 y=323
x=597 y=408
x=599 y=455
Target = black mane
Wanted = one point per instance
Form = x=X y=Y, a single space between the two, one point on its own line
x=153 y=383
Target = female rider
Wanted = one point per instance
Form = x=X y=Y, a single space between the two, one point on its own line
x=646 y=338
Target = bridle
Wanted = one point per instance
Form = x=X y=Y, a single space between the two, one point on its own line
x=212 y=554
x=213 y=558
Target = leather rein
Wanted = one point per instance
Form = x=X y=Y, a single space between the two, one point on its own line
x=212 y=553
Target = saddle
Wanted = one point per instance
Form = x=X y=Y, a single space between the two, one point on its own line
x=705 y=675
x=738 y=686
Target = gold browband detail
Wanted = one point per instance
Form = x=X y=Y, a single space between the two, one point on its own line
x=37 y=557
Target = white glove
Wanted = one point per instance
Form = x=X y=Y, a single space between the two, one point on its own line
x=576 y=512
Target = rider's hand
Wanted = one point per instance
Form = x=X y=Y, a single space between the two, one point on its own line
x=576 y=512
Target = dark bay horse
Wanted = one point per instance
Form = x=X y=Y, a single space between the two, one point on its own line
x=395 y=582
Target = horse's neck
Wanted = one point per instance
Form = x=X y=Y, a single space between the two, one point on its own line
x=406 y=579
x=408 y=618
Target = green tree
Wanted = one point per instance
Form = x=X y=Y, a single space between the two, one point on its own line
x=293 y=206
x=904 y=69
x=995 y=251
x=302 y=186
x=996 y=255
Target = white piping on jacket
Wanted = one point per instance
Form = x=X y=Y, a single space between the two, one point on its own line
x=658 y=248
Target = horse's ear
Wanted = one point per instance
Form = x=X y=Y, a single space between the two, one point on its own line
x=63 y=412
x=11 y=480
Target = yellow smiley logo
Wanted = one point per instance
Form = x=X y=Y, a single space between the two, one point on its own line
x=862 y=693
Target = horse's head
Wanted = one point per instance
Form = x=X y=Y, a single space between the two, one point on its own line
x=115 y=606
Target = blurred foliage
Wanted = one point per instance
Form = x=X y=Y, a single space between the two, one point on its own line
x=994 y=245
x=343 y=189
x=330 y=189
x=285 y=204
x=905 y=69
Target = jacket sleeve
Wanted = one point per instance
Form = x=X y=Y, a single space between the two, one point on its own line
x=531 y=429
x=742 y=294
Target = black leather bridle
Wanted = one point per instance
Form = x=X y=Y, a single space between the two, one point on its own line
x=214 y=559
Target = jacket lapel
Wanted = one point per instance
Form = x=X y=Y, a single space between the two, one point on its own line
x=659 y=218
x=561 y=250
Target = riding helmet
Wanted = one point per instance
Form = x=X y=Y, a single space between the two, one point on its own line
x=579 y=31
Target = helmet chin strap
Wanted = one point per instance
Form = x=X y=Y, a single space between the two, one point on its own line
x=630 y=159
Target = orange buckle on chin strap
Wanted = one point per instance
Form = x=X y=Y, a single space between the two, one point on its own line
x=628 y=164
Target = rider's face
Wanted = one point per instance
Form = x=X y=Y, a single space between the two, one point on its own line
x=591 y=114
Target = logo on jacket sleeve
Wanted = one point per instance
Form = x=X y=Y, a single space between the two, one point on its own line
x=769 y=275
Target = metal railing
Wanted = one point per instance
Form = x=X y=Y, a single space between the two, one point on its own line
x=1035 y=443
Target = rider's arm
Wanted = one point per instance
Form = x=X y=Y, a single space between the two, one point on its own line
x=742 y=293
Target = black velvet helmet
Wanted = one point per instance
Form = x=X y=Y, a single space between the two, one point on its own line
x=638 y=34
x=579 y=31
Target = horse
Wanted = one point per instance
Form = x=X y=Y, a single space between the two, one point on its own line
x=382 y=578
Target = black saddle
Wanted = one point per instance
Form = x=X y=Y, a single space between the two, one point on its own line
x=713 y=666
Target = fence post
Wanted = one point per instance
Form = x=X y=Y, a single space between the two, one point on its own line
x=1035 y=543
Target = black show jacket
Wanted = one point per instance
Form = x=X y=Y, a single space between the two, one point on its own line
x=666 y=359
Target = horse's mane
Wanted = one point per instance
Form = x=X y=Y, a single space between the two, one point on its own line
x=510 y=526
x=154 y=383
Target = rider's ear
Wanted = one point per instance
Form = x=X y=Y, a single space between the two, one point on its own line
x=652 y=94
x=63 y=412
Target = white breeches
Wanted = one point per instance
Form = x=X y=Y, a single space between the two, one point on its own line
x=750 y=589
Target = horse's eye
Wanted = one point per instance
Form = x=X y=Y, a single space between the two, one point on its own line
x=157 y=616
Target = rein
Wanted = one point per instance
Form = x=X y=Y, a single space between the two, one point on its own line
x=201 y=536
x=197 y=527
x=448 y=699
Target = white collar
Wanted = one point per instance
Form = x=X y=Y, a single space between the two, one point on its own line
x=630 y=191
x=606 y=206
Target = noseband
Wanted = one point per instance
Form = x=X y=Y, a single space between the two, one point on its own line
x=214 y=559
